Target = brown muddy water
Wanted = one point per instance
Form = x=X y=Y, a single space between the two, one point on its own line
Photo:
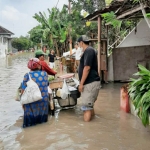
x=111 y=128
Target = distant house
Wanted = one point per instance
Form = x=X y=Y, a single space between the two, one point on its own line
x=5 y=41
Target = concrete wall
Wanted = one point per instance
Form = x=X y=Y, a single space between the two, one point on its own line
x=110 y=68
x=125 y=61
x=5 y=45
x=140 y=38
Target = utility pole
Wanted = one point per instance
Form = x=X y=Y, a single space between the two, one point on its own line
x=70 y=39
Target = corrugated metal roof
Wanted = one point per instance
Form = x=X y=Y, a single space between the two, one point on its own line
x=121 y=7
x=112 y=7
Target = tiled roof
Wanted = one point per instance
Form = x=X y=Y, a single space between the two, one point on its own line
x=5 y=31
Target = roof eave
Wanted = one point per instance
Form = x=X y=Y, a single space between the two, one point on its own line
x=6 y=33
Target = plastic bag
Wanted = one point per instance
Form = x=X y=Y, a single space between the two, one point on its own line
x=58 y=92
x=71 y=88
x=31 y=93
x=49 y=90
x=18 y=95
x=76 y=82
x=64 y=92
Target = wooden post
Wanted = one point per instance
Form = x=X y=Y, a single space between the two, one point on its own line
x=70 y=39
x=107 y=28
x=99 y=45
x=104 y=47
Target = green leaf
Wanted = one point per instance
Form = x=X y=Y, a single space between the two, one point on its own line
x=144 y=86
x=135 y=1
x=142 y=68
x=138 y=82
x=131 y=79
x=147 y=106
x=145 y=118
x=148 y=15
x=145 y=97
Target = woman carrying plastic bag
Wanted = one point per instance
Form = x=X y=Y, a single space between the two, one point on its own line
x=36 y=112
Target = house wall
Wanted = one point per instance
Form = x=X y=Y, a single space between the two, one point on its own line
x=9 y=46
x=125 y=61
x=110 y=68
x=4 y=44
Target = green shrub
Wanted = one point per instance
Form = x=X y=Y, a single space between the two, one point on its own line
x=139 y=92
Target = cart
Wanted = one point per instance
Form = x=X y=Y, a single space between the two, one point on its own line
x=71 y=99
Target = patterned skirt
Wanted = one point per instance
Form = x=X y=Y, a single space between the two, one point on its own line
x=35 y=113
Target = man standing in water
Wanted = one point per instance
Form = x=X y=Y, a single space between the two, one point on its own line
x=89 y=77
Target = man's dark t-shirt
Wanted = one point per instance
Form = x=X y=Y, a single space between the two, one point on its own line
x=51 y=57
x=89 y=58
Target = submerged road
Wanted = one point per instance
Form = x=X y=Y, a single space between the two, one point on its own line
x=111 y=128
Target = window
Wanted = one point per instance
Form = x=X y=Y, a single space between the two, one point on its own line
x=4 y=40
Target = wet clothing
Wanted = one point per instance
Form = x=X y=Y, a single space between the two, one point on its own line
x=36 y=112
x=51 y=57
x=89 y=58
x=46 y=68
x=89 y=95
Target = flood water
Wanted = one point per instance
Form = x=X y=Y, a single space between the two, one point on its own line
x=111 y=128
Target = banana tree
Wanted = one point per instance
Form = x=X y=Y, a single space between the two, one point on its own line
x=56 y=25
x=47 y=24
x=53 y=28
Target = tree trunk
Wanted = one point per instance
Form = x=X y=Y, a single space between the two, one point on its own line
x=56 y=45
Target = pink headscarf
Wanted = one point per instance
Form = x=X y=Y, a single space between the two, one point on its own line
x=33 y=63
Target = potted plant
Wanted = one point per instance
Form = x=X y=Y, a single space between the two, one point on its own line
x=139 y=92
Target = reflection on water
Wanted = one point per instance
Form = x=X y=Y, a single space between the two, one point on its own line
x=111 y=129
x=12 y=70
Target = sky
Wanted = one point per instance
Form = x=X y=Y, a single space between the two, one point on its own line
x=17 y=15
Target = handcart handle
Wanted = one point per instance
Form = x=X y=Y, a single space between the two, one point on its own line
x=66 y=76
